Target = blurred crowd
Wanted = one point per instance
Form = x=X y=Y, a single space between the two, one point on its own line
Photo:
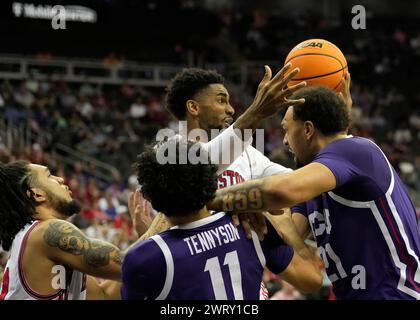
x=112 y=123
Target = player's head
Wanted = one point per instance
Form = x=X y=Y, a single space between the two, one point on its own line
x=323 y=114
x=200 y=96
x=25 y=187
x=176 y=189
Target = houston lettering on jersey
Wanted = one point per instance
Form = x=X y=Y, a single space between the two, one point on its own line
x=229 y=178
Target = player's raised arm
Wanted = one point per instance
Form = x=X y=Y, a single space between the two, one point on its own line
x=272 y=96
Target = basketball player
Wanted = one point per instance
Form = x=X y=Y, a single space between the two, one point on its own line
x=200 y=98
x=50 y=257
x=348 y=194
x=202 y=256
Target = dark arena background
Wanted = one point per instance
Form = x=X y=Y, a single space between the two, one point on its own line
x=85 y=100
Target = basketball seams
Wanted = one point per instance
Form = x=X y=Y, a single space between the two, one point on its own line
x=320 y=76
x=315 y=54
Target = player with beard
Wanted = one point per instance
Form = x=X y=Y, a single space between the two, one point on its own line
x=349 y=196
x=34 y=206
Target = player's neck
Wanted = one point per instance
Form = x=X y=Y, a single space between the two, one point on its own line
x=193 y=123
x=45 y=213
x=201 y=214
x=326 y=140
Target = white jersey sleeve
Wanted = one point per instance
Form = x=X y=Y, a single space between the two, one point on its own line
x=262 y=167
x=226 y=148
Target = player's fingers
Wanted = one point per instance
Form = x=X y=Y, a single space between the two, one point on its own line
x=258 y=223
x=137 y=197
x=139 y=210
x=279 y=75
x=247 y=227
x=292 y=89
x=267 y=76
x=343 y=86
x=143 y=205
x=254 y=225
x=262 y=223
x=297 y=102
x=285 y=80
x=235 y=219
x=131 y=201
x=348 y=83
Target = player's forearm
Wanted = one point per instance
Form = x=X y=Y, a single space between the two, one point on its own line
x=250 y=196
x=248 y=120
x=293 y=239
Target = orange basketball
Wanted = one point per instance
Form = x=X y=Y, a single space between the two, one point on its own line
x=320 y=63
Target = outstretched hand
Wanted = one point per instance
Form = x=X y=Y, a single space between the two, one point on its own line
x=141 y=212
x=273 y=92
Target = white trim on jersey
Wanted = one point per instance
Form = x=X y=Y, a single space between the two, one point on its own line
x=397 y=217
x=349 y=203
x=385 y=232
x=201 y=222
x=258 y=248
x=169 y=267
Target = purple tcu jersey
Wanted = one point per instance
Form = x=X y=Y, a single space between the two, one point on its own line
x=206 y=259
x=366 y=228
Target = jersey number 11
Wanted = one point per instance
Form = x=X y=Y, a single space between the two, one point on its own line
x=214 y=269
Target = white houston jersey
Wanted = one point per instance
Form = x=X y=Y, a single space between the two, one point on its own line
x=251 y=164
x=15 y=286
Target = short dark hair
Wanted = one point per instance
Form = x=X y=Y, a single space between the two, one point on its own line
x=176 y=189
x=17 y=206
x=185 y=85
x=327 y=111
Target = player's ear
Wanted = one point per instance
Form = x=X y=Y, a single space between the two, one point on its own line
x=38 y=195
x=309 y=129
x=193 y=107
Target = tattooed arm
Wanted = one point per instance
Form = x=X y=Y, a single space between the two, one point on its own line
x=275 y=192
x=65 y=244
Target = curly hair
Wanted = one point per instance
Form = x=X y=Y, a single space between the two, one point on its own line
x=17 y=207
x=176 y=189
x=185 y=85
x=327 y=111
